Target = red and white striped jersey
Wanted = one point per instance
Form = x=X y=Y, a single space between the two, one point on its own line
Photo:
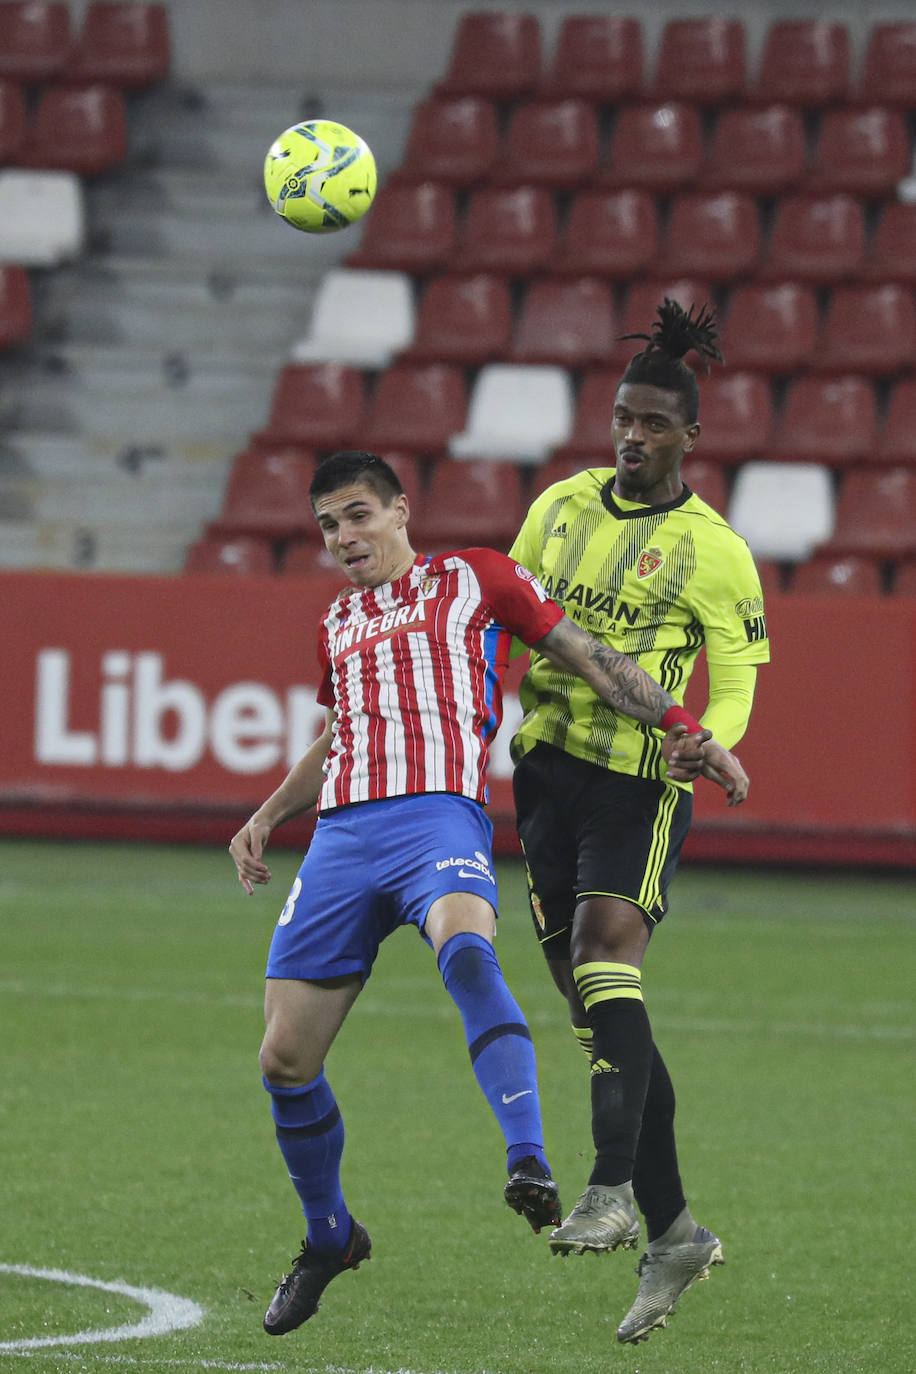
x=413 y=671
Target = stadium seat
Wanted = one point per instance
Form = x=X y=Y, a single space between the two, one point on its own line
x=516 y=412
x=770 y=573
x=783 y=510
x=267 y=495
x=320 y=406
x=551 y=143
x=597 y=57
x=891 y=253
x=469 y=504
x=897 y=435
x=876 y=513
x=590 y=439
x=451 y=139
x=241 y=556
x=658 y=147
x=865 y=152
x=42 y=217
x=411 y=229
x=12 y=120
x=827 y=575
x=416 y=407
x=462 y=319
x=707 y=480
x=495 y=54
x=816 y=239
x=643 y=299
x=80 y=129
x=829 y=420
x=804 y=62
x=712 y=234
x=15 y=305
x=760 y=150
x=411 y=471
x=562 y=465
x=126 y=44
x=34 y=40
x=869 y=329
x=770 y=328
x=567 y=321
x=701 y=60
x=608 y=234
x=905 y=578
x=304 y=558
x=736 y=416
x=359 y=317
x=508 y=229
x=889 y=72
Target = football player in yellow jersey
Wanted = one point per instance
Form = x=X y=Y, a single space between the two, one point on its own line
x=647 y=567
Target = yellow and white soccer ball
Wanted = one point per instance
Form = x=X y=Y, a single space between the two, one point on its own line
x=320 y=176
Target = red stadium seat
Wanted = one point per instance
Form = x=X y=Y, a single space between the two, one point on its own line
x=591 y=438
x=12 y=120
x=864 y=152
x=870 y=329
x=770 y=574
x=770 y=328
x=452 y=139
x=713 y=234
x=242 y=556
x=756 y=149
x=34 y=40
x=416 y=408
x=597 y=57
x=736 y=416
x=658 y=147
x=565 y=464
x=550 y=143
x=508 y=229
x=643 y=299
x=876 y=513
x=316 y=404
x=804 y=62
x=829 y=420
x=470 y=503
x=267 y=495
x=302 y=558
x=462 y=319
x=608 y=234
x=496 y=54
x=708 y=481
x=701 y=60
x=853 y=575
x=891 y=254
x=905 y=580
x=411 y=229
x=816 y=239
x=897 y=435
x=126 y=44
x=569 y=322
x=15 y=305
x=889 y=75
x=79 y=129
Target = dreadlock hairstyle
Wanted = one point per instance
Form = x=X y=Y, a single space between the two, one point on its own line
x=674 y=334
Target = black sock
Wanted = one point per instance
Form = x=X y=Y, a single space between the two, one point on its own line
x=656 y=1178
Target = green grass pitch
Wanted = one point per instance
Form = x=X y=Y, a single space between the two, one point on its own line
x=136 y=1142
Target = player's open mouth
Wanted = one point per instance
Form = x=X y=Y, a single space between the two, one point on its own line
x=358 y=560
x=631 y=456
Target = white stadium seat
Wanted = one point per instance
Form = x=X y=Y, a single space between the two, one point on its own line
x=42 y=217
x=517 y=412
x=362 y=318
x=783 y=510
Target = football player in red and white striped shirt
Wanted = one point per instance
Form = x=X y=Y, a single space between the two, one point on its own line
x=413 y=657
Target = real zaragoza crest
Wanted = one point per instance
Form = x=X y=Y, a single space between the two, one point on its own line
x=650 y=560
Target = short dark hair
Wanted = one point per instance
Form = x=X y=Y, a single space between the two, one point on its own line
x=355 y=465
x=674 y=333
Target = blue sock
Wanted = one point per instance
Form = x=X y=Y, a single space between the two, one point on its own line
x=499 y=1042
x=310 y=1134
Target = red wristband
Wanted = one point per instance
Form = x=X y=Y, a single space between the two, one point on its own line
x=676 y=715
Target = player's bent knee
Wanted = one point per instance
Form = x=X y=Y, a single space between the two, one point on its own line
x=286 y=1068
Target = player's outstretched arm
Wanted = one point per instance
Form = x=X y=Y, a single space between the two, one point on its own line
x=624 y=685
x=298 y=791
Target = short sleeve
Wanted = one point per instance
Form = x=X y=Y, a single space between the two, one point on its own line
x=513 y=593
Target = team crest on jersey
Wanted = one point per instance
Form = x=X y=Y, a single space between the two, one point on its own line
x=650 y=560
x=537 y=908
x=527 y=576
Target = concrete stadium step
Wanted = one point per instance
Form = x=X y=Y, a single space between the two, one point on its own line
x=62 y=544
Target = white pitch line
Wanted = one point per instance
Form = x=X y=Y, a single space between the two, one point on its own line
x=167 y=1312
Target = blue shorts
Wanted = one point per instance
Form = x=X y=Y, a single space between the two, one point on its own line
x=371 y=868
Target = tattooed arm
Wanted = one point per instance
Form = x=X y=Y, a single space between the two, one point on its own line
x=611 y=675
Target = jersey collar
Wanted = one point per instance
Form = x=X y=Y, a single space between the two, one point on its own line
x=619 y=513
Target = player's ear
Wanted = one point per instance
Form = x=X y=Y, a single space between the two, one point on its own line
x=402 y=511
x=693 y=433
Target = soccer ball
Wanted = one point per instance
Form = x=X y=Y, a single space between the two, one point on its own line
x=320 y=176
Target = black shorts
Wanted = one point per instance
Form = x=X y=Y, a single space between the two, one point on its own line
x=588 y=831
